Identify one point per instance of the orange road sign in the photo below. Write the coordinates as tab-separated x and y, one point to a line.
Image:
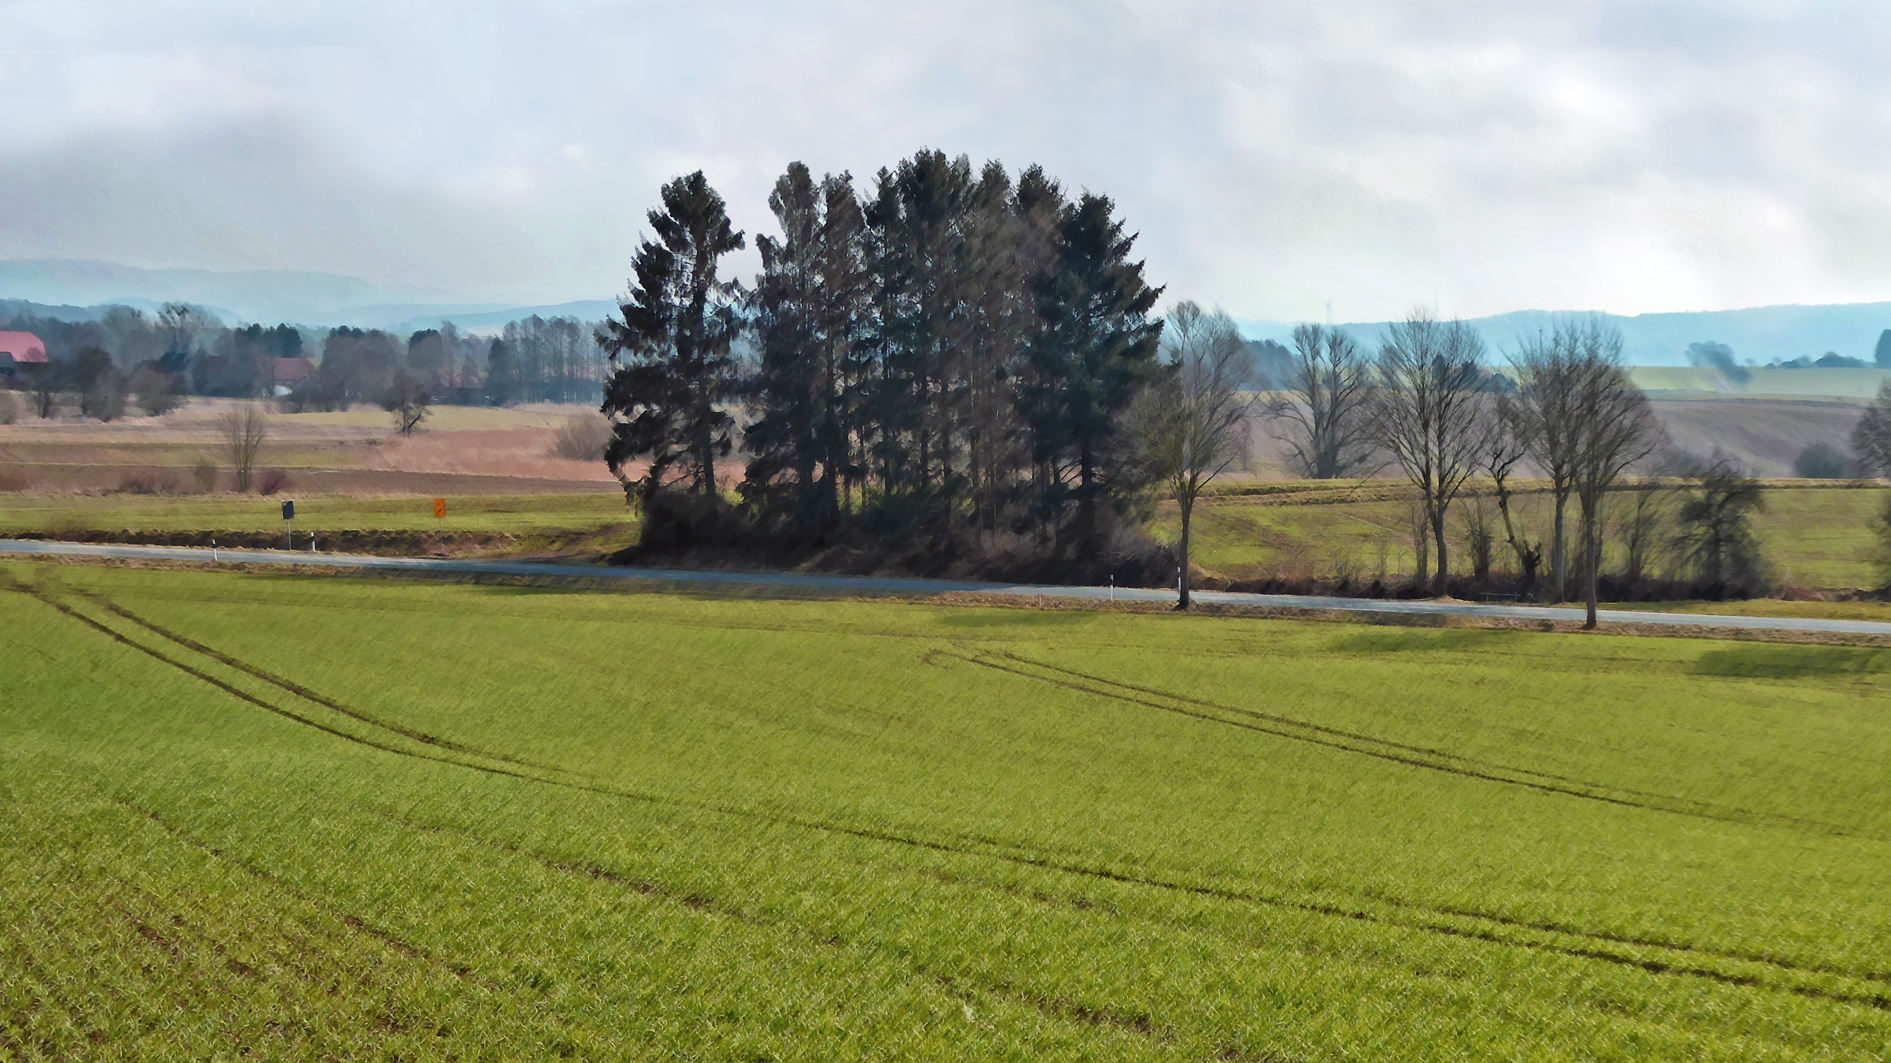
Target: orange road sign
439	508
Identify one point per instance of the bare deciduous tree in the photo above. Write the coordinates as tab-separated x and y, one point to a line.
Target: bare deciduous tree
1716	535
1872	438
1613	429
44	380
1643	512
408	401
1502	450
244	431
1543	418
1320	414
1425	413
1194	418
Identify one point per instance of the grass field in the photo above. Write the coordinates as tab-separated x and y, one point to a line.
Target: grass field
1817	537
505	514
267	816
1677	381
1810	536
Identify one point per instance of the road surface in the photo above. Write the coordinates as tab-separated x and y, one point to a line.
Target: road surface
874	585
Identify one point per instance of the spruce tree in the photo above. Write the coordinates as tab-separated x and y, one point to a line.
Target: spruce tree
1095	348
669	345
807	309
919	220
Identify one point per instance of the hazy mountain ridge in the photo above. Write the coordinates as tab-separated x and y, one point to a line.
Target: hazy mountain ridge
76	290
1756	334
72	289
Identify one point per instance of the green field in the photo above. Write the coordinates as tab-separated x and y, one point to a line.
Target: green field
1678	381
267	816
1812	536
495	525
505	514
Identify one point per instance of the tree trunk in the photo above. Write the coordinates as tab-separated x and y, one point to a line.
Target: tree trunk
1438	536
1188	505
1592	558
1559	551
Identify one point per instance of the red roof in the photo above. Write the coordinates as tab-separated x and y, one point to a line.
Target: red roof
24	347
294	369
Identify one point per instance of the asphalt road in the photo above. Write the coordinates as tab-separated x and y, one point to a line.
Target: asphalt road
871	585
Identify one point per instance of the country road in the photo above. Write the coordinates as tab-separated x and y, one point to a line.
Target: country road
874	585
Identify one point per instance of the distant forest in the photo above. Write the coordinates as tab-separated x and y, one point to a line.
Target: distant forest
128	360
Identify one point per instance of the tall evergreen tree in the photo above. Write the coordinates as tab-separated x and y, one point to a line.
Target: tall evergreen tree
670	344
502	373
919	220
1094	349
807	307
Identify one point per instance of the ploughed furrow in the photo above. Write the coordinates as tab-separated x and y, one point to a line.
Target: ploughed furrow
1395	752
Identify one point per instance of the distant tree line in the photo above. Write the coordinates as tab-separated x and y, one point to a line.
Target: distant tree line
128	360
947	356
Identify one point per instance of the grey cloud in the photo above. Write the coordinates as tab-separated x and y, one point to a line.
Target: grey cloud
1274	157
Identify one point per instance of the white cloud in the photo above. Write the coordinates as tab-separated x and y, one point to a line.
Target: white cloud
1275	157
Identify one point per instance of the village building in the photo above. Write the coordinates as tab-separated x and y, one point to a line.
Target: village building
18	350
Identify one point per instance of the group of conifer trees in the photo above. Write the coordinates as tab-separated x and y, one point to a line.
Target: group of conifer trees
951	353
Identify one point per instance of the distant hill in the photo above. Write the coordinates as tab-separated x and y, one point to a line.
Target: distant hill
492	320
251	295
1760	334
76	290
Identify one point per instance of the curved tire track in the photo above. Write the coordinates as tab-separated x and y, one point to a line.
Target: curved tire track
1595	952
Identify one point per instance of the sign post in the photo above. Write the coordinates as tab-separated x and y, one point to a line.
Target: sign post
288	514
439	509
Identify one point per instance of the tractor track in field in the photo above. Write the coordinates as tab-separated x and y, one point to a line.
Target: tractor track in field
249	698
353	922
309	695
1058	1007
1652	966
1677	805
1357	736
1597	952
49	993
1394	752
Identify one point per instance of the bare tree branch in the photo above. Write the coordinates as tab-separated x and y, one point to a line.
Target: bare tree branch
1194	419
1613	429
1872	438
244	430
1321	414
1425	413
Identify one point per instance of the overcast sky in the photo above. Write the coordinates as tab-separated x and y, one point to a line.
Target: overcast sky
1277	158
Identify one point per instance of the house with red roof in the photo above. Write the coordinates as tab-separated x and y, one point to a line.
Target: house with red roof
19	350
289	372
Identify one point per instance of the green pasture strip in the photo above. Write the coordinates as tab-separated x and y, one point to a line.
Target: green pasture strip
509	514
1810	536
1669	382
599	826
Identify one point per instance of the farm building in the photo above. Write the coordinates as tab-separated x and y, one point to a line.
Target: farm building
19	349
289	372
